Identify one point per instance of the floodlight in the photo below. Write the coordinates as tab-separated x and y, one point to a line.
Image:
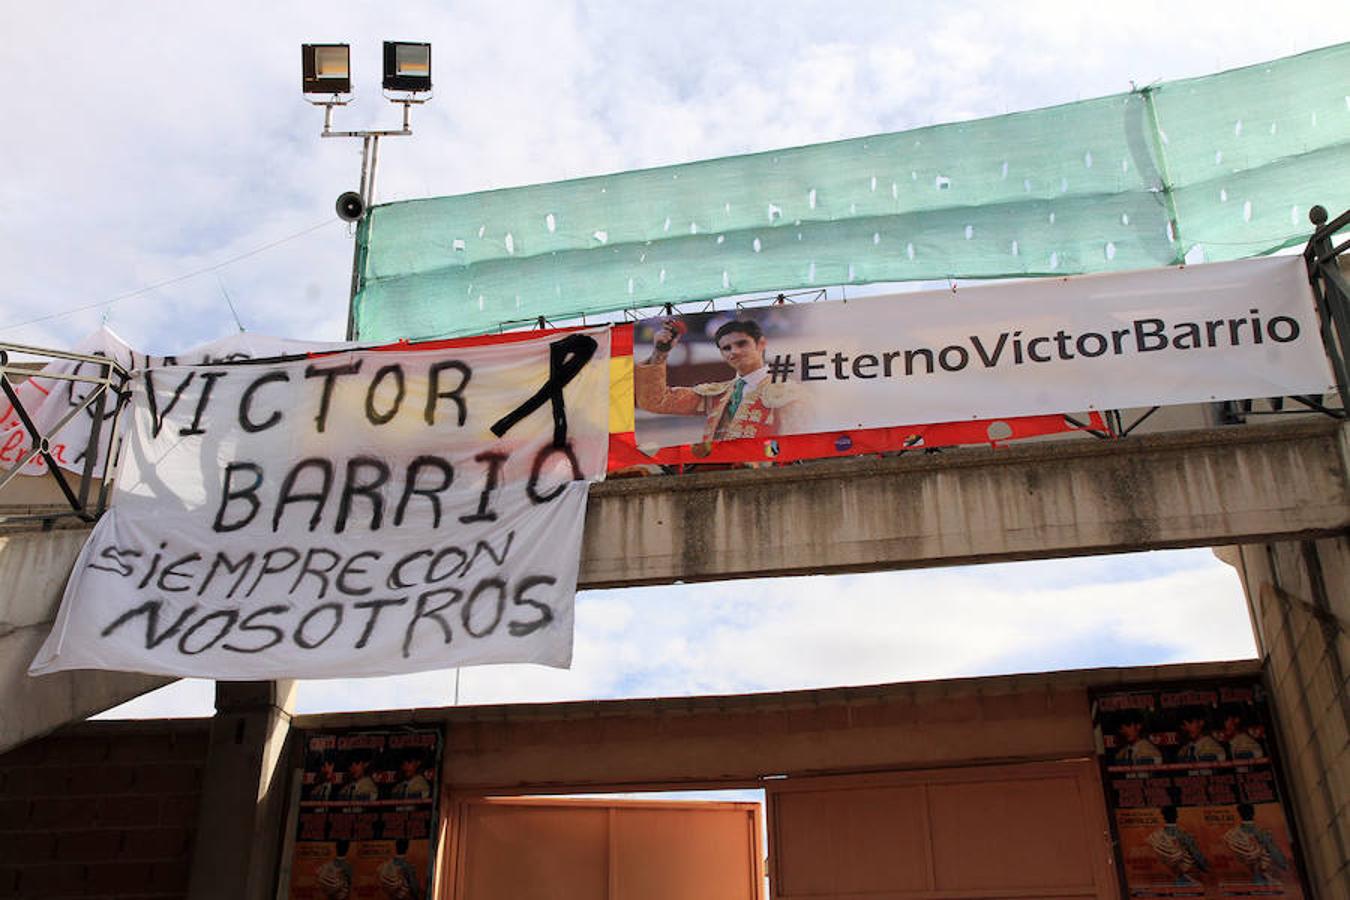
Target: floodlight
326	68
327	82
407	66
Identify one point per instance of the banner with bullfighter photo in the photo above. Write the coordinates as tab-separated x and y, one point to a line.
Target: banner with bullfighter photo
756	378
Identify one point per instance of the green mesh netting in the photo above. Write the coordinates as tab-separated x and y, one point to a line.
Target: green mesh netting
1228	163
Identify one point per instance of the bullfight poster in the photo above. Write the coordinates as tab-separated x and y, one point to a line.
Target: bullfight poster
366	827
1193	792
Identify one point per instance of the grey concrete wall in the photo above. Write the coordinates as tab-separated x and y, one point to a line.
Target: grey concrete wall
1299	596
33	570
971	505
240	832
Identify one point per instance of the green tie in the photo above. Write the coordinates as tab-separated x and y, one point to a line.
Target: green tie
736	393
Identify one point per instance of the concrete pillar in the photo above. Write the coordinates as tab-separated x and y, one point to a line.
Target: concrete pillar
239	837
34	566
1299	596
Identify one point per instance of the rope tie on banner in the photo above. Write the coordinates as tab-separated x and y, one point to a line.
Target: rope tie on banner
230	303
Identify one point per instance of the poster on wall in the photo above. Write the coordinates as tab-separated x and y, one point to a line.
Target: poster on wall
1193	793
1040	347
366	827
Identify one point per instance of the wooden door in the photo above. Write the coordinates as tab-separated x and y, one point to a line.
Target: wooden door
571	849
1037	830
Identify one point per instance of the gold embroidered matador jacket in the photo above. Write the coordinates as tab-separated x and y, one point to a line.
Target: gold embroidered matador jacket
765	410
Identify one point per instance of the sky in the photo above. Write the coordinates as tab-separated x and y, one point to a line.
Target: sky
161	153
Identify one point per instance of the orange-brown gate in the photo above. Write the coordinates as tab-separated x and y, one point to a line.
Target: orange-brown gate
1015	831
534	848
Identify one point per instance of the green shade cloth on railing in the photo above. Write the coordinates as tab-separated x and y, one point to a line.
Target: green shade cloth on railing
1213	168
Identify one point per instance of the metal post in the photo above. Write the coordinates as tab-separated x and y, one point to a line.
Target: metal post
356	286
370	152
369	195
367	178
1333	303
365	164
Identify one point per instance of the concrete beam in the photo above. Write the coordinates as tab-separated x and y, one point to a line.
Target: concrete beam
1199	488
1219	486
737	740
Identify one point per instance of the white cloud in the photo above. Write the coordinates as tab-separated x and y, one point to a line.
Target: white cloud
791	633
154	139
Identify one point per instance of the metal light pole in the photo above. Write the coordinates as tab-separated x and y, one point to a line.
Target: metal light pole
365	193
326	69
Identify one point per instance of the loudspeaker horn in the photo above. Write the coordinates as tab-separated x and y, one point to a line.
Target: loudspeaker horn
350	207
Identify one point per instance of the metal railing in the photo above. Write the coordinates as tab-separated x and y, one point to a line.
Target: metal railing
94	390
1332	294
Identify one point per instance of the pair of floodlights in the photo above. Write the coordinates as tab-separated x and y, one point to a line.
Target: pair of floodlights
327	68
326	80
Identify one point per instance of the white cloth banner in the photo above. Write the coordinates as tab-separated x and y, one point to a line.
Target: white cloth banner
1190	334
355	513
47	400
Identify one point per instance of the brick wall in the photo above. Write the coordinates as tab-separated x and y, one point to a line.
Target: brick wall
102	809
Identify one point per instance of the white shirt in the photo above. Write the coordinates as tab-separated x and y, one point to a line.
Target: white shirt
753	379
